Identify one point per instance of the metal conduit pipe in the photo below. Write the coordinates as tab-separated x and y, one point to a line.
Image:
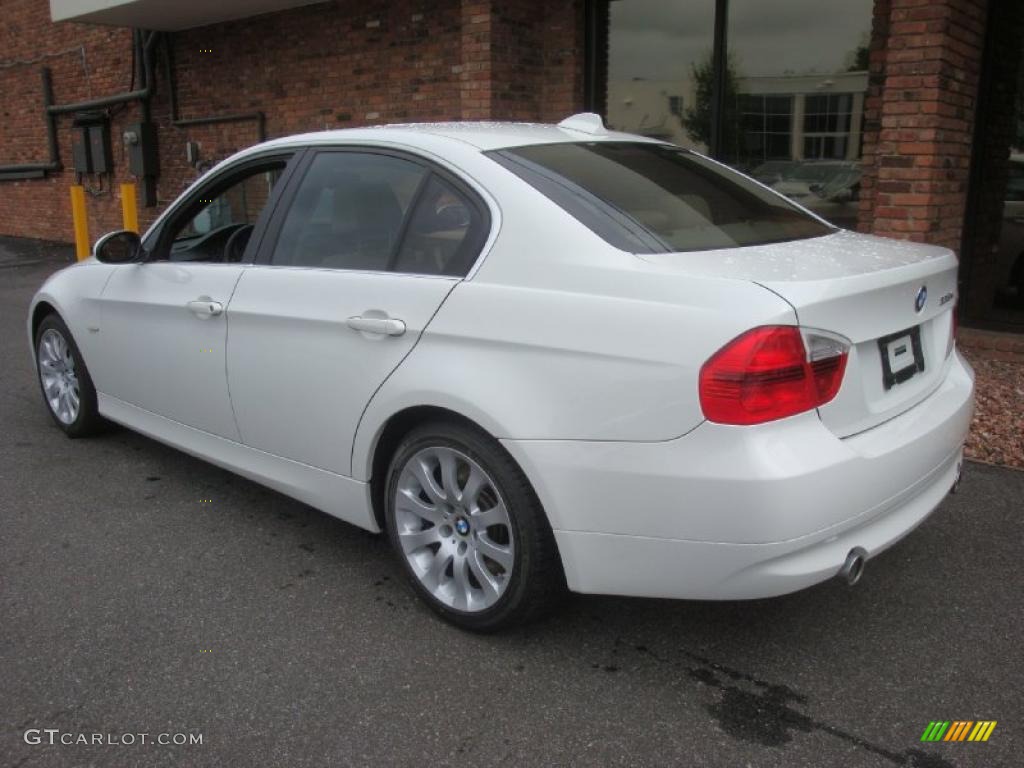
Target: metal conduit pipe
172	89
39	170
51	111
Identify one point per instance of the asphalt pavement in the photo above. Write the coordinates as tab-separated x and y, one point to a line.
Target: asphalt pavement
145	592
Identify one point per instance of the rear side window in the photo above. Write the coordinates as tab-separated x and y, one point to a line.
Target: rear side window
380	212
348	212
651	198
445	232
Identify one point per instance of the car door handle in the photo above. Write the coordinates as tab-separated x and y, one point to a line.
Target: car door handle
385	326
204	308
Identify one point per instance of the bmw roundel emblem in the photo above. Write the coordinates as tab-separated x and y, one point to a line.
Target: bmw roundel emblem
922	297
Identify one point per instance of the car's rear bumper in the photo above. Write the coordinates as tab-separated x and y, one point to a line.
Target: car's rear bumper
745	512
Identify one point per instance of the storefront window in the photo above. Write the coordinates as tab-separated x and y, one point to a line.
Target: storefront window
795	99
1009	274
766	126
659	68
827	120
789	98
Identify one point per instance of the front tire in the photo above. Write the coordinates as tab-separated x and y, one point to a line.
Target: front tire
64	380
469	530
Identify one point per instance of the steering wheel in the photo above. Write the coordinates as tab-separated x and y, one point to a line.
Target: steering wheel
234	248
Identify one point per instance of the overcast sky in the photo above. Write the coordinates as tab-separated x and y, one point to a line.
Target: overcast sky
661	39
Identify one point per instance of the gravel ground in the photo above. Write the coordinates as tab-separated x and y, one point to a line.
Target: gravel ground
997	433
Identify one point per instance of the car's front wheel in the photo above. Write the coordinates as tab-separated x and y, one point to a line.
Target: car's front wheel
64	380
469	529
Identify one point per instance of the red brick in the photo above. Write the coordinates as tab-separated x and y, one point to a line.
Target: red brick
314	67
917	134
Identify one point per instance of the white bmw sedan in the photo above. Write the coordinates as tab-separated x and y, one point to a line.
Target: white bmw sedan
539	357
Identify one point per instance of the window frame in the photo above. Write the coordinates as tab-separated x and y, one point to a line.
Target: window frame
821	137
762	131
157	241
284	203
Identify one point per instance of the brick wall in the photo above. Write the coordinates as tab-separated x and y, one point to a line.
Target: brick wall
86	61
925	57
330	65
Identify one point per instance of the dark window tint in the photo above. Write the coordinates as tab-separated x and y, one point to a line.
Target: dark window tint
654	197
444	234
348	212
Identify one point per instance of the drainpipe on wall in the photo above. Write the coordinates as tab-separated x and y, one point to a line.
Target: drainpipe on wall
51	111
172	90
13	172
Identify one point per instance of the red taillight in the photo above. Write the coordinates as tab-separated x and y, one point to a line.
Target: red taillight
770	373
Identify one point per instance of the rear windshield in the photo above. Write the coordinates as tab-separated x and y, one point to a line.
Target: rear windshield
656	198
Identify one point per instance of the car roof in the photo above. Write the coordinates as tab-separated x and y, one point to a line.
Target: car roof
482	135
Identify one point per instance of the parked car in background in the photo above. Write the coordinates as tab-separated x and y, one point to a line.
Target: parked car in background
830	189
538	357
774	171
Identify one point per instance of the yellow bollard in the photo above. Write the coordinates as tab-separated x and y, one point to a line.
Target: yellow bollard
80	221
129	208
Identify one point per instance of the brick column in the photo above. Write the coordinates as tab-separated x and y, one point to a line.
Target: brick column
521	59
925	57
475	66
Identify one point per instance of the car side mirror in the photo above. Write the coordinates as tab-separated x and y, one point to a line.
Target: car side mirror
843	196
121	247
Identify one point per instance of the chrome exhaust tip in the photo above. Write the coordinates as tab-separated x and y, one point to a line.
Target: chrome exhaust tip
853	568
959	474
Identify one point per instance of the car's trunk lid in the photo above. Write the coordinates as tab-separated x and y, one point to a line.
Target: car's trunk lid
866	289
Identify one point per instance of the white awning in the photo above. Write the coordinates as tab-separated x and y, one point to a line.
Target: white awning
163	15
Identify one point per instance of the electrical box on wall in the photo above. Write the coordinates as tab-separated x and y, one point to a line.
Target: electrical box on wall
80	151
140	142
99	148
90	143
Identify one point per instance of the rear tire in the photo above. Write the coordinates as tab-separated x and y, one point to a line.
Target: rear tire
469	530
64	380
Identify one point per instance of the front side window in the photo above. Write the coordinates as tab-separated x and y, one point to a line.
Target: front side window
215	227
648	198
348	212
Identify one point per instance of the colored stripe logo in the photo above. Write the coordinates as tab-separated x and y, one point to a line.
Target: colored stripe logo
958	730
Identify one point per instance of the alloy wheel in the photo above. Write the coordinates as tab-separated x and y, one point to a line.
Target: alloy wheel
58	376
454	529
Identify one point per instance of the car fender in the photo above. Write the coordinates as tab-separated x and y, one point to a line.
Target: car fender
540	364
74	293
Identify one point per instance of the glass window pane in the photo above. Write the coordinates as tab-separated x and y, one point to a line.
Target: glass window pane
444	234
659	69
679	200
348	212
814	62
204	235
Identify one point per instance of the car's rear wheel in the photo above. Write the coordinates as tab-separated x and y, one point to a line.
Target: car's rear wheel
64	380
469	530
